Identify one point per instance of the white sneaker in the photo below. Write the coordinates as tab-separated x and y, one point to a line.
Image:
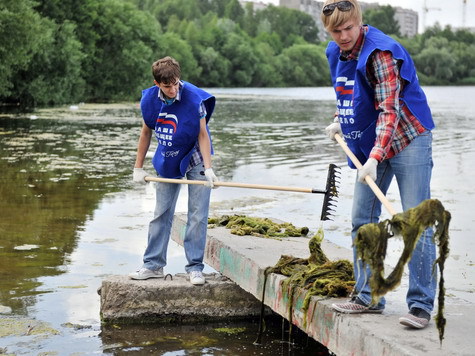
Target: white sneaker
196	278
145	273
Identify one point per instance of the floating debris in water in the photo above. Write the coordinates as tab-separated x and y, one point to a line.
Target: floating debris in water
230	331
262	227
12	326
5	310
26	247
76	326
73	287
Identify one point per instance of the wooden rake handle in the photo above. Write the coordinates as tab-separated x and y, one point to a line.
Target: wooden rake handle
382	198
235	185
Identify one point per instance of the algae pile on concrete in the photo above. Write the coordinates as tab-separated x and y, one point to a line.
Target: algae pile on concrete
262	227
316	274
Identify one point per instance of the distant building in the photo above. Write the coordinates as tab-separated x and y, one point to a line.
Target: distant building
408	21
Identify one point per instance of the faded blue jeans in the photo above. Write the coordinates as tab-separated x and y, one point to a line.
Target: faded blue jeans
155	255
412	168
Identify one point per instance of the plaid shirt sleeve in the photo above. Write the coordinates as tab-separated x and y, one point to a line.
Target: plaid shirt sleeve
383	74
203	111
197	157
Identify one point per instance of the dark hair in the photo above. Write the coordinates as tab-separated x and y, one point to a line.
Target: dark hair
166	70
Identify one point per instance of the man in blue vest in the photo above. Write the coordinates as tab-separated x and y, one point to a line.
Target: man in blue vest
177	112
384	117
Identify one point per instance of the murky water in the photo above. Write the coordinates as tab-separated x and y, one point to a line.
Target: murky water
69	214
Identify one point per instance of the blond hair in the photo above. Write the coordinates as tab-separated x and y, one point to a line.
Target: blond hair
338	18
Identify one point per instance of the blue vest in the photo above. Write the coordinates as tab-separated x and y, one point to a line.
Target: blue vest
176	126
355	96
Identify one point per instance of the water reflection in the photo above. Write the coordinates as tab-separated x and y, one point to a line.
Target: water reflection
54	172
234	339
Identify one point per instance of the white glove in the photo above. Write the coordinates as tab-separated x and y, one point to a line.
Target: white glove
210	178
139	175
333	129
368	169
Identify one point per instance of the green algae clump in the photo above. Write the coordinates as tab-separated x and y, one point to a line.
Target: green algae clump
262	227
316	274
230	331
12	326
372	240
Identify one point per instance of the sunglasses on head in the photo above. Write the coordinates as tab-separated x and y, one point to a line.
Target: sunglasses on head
341	5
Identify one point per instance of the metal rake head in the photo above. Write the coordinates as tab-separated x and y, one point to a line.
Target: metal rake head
331	192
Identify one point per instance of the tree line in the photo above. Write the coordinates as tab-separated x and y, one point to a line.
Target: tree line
63	51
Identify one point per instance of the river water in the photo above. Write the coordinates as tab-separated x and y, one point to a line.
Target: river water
69	214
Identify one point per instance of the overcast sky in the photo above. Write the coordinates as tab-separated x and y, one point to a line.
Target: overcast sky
442	11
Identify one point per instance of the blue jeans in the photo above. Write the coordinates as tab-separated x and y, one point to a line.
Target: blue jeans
155	255
412	168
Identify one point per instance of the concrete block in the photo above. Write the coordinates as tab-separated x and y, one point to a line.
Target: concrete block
174	300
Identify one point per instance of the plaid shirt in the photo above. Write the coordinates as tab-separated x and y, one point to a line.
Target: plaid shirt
396	126
196	157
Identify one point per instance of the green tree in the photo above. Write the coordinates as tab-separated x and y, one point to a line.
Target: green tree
85	17
164	10
215	69
460	45
288	23
173	45
413	44
248	22
267	72
60	51
54	74
382	17
464	70
234	11
304	65
217	6
240	54
129	41
210	35
272	40
22	33
435	63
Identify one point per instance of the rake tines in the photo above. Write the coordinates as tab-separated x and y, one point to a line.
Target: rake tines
331	192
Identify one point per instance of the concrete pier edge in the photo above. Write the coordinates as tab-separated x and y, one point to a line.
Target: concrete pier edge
243	259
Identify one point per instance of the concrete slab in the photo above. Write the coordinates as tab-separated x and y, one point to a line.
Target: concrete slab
174	299
244	258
